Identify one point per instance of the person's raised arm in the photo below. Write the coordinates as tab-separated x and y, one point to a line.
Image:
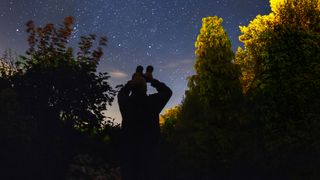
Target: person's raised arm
164	93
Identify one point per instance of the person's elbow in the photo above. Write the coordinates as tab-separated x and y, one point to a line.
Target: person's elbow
169	92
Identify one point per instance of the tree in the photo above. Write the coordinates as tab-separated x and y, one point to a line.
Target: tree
254	38
207	121
52	96
301	14
170	115
68	86
280	74
216	75
7	67
168	122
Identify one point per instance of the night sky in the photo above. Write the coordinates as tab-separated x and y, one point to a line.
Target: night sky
140	32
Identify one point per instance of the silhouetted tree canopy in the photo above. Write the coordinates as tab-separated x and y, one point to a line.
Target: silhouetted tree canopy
51	96
70	86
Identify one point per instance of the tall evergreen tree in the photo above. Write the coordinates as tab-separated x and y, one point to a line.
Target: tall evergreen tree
216	78
209	121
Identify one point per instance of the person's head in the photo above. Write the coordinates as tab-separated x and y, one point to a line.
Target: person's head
139	69
138	86
150	69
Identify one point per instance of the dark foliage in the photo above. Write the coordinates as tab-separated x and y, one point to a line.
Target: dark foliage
52	102
252	115
271	130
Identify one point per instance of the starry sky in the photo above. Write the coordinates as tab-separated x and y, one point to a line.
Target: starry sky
140	32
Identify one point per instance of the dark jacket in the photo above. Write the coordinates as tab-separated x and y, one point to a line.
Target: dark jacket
140	113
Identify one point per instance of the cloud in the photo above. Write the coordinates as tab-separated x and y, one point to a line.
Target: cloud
118	74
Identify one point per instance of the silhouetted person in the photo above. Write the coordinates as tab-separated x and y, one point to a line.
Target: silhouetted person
140	128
